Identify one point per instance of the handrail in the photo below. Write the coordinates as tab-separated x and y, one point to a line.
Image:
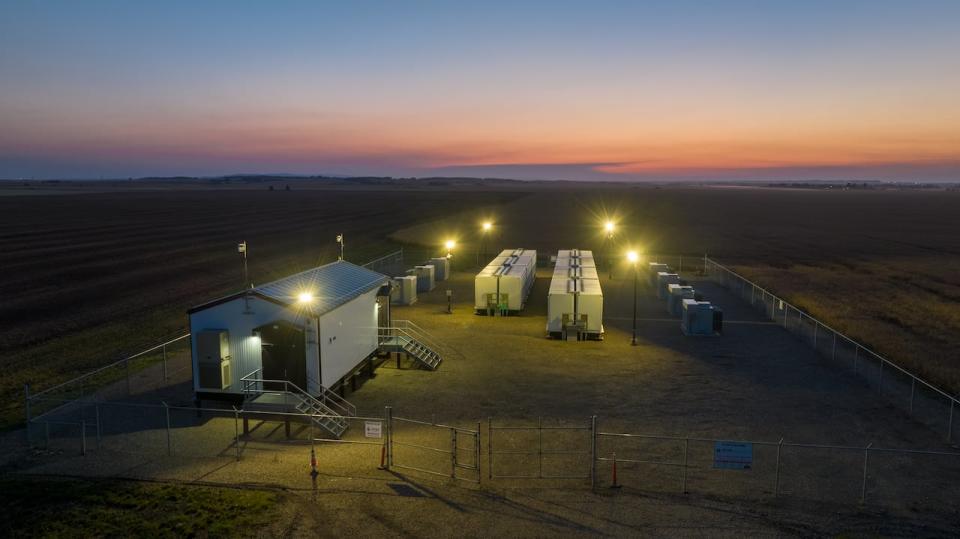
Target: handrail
413	330
330	399
108	366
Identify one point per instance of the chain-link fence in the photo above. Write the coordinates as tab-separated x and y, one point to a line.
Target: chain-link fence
924	402
551	451
389	264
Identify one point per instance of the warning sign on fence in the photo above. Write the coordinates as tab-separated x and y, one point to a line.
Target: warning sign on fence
371	429
733	455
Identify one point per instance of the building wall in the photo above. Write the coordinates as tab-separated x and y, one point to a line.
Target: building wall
335	343
348	334
244	347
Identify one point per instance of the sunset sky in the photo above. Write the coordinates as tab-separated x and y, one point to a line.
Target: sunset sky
835	90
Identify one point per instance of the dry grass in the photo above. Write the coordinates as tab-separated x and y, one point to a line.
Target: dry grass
904	309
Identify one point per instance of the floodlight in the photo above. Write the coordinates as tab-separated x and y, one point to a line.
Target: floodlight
487	226
450	244
305	297
609	226
632	256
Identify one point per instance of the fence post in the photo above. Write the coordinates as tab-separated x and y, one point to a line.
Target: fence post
83	438
913	387
593	450
166	409
476	452
785	309
540	447
164	362
96	413
776	483
236	430
683	484
388	413
453	453
26	401
950	423
880	381
489	447
863	486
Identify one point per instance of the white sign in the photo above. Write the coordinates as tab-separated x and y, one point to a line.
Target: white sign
372	429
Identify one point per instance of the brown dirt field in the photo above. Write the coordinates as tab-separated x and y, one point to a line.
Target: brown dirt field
90	277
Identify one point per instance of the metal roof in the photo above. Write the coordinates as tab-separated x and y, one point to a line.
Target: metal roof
331	286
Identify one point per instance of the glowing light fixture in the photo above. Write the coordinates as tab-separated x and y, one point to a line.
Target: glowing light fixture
487	226
632	256
450	244
609	226
305	297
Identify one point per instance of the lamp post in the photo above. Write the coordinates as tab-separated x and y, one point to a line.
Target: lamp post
485	230
450	244
633	257
609	227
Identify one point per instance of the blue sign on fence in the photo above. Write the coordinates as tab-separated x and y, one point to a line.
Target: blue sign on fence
733	455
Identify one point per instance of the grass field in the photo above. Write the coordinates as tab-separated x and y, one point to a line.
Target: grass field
60	507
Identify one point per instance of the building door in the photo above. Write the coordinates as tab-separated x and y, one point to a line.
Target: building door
283	354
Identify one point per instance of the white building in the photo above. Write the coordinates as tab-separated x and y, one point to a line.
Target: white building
313	329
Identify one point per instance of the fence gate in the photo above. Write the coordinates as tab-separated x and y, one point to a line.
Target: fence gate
434	448
553	451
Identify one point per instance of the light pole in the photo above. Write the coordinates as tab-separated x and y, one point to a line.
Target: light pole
633	257
450	244
609	226
485	230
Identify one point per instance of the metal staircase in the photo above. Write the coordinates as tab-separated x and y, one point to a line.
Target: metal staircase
328	410
407	336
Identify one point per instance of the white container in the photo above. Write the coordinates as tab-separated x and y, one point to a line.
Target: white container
575	299
404	290
675	295
505	283
663	279
426	280
701	318
442	268
653	268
